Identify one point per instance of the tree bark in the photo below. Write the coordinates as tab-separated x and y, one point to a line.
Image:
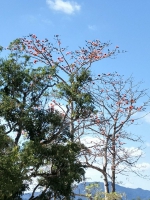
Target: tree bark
113	167
106	184
105	179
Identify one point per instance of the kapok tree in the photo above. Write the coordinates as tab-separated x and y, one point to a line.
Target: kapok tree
31	99
120	104
70	68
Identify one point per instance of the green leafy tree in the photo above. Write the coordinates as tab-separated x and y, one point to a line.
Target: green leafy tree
11	172
24	95
43	98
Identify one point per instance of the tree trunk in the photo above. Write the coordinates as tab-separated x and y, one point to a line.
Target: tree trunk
105	179
113	167
113	189
106	184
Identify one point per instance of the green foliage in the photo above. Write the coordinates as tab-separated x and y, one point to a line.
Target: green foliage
74	92
55	171
21	90
48	155
11	172
93	191
113	195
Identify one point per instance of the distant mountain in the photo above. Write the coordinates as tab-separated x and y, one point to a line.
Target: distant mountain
130	192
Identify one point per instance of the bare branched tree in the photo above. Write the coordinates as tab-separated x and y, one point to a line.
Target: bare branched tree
118	103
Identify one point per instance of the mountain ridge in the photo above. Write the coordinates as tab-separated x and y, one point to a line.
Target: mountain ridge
130	193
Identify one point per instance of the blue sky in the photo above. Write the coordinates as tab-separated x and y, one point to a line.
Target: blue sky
123	23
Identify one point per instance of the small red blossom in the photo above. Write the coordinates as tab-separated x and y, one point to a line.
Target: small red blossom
60	59
35	61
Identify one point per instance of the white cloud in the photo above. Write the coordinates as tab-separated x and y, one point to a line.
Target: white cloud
133	151
68	7
129	185
93	175
138	169
92	27
90	141
143	166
